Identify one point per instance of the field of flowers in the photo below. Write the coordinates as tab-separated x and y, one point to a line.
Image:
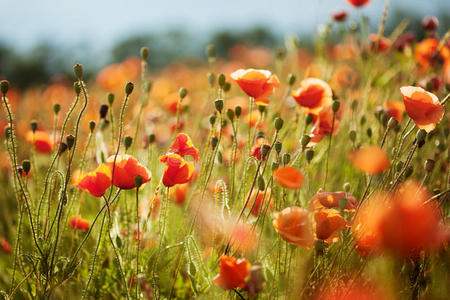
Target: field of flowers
285	173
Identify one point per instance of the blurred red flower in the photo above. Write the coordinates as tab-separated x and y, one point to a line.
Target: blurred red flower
42	140
294	225
371	159
96	182
233	272
288	177
77	222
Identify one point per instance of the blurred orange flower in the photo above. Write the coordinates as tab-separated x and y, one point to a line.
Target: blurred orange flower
178	194
358	3
258	205
370	159
378	45
331	199
294	225
96	182
233	272
422	106
395	109
125	170
425	52
288	177
328	223
42	141
313	94
77	222
183	146
258	84
323	125
177	170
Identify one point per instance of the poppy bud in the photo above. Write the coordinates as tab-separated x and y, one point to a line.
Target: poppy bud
261	108
264	151
77	88
211	51
309	154
62	148
182	92
261	183
103	111
56	108
214	141
219	105
238	111
286	158
399	166
408	171
278	123
26	166
278	145
144	53
33	125
91	125
291	79
212	120
78	70
335	106
275	166
384	119
369	132
352	135
346	187
230	114
260	135
430	23
70	140
138	180
151	138
211	79
304	140
127	141
363	120
221	79
226	87
309	118
7	131
4	86
392	123
429	165
354	104
421	135
129	88
110	98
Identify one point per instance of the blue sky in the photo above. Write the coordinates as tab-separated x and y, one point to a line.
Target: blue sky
100	23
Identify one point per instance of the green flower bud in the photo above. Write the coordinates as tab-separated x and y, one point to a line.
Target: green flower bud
77	88
309	118
33	125
138	180
214	141
26	166
369	132
261	183
238	111
212	119
56	108
129	88
70	141
127	141
278	123
275	166
354	104
151	138
226	87
286	158
304	140
278	145
352	135
408	172
230	114
110	98
103	111
221	79
260	135
78	70
4	86
182	92
429	165
363	120
291	79
399	166
219	105
346	187
335	106
144	53
421	135
309	154
91	125
62	148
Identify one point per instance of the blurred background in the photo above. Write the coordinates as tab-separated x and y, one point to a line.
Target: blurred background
39	39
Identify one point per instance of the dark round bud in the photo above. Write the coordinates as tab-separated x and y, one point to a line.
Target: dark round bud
264	151
127	141
110	98
78	70
421	135
309	154
363	120
26	166
304	140
129	88
369	132
238	111
260	135
226	87
430	23
347	187
4	86
214	141
77	88
429	165
211	79
392	123
230	114
33	125
384	119
62	148
211	51
56	108
278	145
219	105
261	108
278	123
291	79
138	180
212	119
70	141
309	118
151	138
261	183
182	92
103	111
144	53
335	106
286	158
275	166
221	79
352	135
354	104
91	125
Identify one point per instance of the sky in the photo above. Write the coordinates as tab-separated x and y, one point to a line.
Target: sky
101	23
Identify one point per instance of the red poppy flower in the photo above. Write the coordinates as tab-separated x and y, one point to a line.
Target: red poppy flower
178	194
371	159
324	124
258	84
313	94
125	170
256	149
96	182
288	177
4	245
259	206
183	146
395	109
331	200
77	222
295	226
358	3
177	171
379	45
42	140
328	223
423	107
233	272
340	16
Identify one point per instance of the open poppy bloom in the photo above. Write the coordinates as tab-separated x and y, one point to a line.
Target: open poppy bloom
288	177
256	149
324	126
96	182
313	94
183	146
125	170
379	44
371	159
423	107
328	224
177	171
258	84
260	202
42	141
295	226
233	272
77	222
358	3
331	200
395	109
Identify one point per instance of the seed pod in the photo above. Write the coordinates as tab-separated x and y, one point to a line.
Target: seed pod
260	135
62	148
309	154
352	135
363	120
286	158
261	183
278	145
226	87
264	151
127	141
33	125
110	98
421	135
408	172
278	123
56	108
26	166
261	108
70	141
144	53
429	165
347	187
91	125
238	111
219	105
369	132
230	114
78	70
103	111
182	92
138	180
392	123
354	104
335	106
214	141
221	79
275	166
77	88
151	138
304	140
291	79
399	166
212	120
129	88
4	86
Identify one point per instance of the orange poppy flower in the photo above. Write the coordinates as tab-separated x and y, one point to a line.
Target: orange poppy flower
425	52
331	199
183	146
423	107
233	272
125	170
258	84
42	141
324	124
256	149
371	159
328	223
358	3
295	226
378	45
259	205
412	225
177	171
4	245
288	177
77	222
178	194
395	109
96	182
313	94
